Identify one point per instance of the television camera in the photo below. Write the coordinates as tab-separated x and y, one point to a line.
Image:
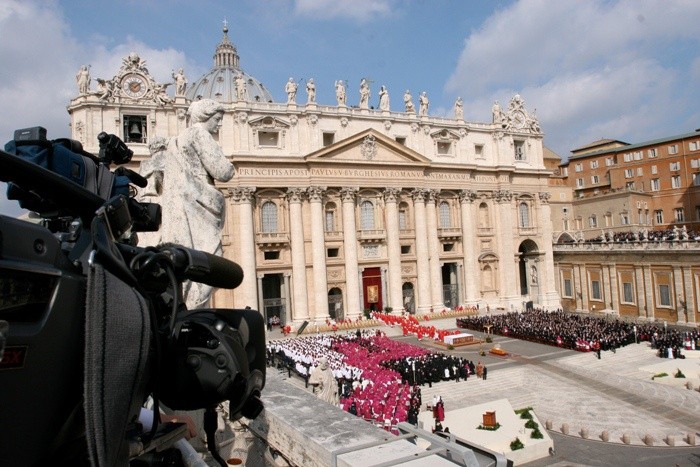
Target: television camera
92	325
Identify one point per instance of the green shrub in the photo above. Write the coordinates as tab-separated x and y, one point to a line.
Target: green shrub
450	347
531	424
489	340
489	428
679	374
526	415
536	434
516	444
659	375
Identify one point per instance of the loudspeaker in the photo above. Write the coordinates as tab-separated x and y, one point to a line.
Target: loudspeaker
302	327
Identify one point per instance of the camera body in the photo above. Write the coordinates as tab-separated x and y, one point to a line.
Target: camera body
191	359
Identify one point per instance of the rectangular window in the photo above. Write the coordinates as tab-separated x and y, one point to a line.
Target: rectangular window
567	288
695	163
405	249
655	185
697	213
624	218
593	221
595	290
627	292
519	150
664	295
640	171
479	151
627	157
696	179
448	246
654	170
444	148
579	183
651	153
637	155
659	217
330	221
674	166
679	215
629	173
676	181
609	161
401	140
268	139
565	171
328	138
135	129
693	145
673	149
271	255
595	179
629	185
403	223
594	164
578	167
332	252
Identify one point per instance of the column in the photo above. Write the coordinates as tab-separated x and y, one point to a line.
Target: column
393	246
508	262
437	300
422	255
548	287
247	292
648	290
678	291
354	307
607	297
614	296
688	293
581	287
318	250
639	287
300	305
469	247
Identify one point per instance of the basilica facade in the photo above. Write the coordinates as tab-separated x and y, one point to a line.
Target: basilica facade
337	209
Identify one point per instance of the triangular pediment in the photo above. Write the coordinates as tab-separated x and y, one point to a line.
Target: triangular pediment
268	122
368	147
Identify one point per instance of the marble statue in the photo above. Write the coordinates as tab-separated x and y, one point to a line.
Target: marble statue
241	88
83	79
532	122
193	213
323	379
291	89
364	94
498	115
105	89
159	95
311	90
423	104
383	98
180	82
408	101
459	109
340	92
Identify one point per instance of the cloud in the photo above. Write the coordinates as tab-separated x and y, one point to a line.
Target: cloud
359	10
590	68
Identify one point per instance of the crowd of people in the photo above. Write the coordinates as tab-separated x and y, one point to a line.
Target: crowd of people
645	235
582	333
377	378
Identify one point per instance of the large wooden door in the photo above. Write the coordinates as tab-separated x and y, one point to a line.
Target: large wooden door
372	289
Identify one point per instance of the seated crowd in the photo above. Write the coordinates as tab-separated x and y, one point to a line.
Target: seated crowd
378	378
577	332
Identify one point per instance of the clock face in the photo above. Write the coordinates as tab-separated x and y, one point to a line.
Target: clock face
134	86
518	119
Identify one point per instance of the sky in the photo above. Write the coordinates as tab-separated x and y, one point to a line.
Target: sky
620	69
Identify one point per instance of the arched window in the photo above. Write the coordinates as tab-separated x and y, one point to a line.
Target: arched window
403	216
269	217
524	215
330	217
445	221
367	215
484	216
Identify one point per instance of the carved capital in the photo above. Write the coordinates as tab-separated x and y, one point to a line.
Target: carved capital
503	196
348	194
544	197
295	195
316	193
392	195
242	194
467	196
418	195
432	195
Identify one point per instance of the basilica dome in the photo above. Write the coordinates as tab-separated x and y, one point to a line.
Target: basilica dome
221	82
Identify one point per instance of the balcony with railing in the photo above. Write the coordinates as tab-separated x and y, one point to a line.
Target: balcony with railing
272	239
371	236
449	233
484	231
